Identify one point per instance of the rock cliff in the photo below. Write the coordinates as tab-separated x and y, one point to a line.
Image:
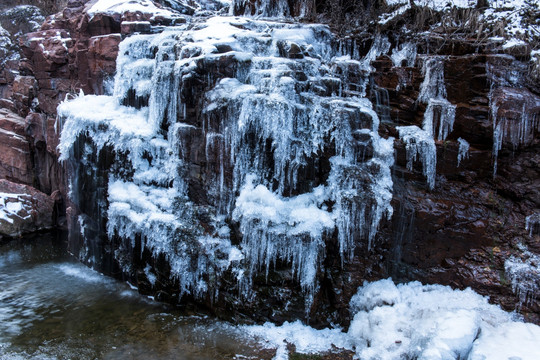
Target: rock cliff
461	101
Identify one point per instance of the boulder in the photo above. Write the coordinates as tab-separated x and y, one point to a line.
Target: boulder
23	209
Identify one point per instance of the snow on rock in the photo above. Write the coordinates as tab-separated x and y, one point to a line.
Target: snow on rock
511	13
512	43
106	121
436	4
306	339
8	48
12	204
5	45
515	16
23	209
371	295
296	215
22	19
426	322
413	321
121	6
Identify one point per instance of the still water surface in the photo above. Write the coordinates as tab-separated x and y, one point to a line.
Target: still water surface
52	307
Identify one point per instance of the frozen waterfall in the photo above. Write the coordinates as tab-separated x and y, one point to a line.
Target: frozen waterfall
282	149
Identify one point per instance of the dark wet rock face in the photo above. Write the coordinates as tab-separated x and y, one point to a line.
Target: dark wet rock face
460	229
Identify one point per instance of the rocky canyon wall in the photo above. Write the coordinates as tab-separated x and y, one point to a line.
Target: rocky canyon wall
463	109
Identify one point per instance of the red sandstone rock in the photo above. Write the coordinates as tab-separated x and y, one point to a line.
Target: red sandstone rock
102	52
24	91
15	156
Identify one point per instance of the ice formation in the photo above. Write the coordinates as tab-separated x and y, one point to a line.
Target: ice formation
413	321
271	8
404	54
440	114
438	118
532	224
524	274
278	101
264	125
420	143
515	132
463	150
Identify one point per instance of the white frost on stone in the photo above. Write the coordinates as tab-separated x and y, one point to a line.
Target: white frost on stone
306	339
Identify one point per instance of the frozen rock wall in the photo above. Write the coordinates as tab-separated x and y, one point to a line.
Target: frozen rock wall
249	164
226	149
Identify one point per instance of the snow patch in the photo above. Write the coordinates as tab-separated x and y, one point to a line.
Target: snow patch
121	6
15	206
412	321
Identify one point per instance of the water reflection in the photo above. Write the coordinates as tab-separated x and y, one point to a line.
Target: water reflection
52	307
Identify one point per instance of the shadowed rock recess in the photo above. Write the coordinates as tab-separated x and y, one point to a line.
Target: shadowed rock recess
262	159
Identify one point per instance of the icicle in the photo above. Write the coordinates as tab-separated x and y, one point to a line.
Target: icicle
524	275
433	93
445	112
532	224
463	151
406	54
420	143
433	86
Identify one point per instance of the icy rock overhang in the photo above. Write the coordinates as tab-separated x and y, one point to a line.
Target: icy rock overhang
230	145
